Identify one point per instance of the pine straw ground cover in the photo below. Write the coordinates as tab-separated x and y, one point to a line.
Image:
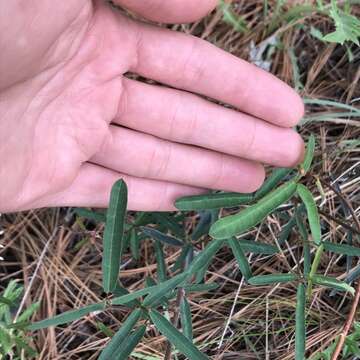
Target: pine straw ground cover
57	256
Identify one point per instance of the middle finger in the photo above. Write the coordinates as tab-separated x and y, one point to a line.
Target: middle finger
183	117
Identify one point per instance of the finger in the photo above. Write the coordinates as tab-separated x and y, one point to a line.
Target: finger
189	119
146	156
92	188
189	63
170	11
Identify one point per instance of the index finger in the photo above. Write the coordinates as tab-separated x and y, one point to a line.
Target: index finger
192	64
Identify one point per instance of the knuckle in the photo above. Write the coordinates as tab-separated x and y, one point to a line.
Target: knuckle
192	65
159	160
216	178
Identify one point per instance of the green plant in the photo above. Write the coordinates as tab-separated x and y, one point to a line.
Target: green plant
351	348
347	26
231	18
13	341
188	272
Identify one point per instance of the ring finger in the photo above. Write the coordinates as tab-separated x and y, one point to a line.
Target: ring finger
146	156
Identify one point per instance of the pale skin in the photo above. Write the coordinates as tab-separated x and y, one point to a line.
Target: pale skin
71	123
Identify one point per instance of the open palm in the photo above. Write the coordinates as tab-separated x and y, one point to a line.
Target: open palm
71	123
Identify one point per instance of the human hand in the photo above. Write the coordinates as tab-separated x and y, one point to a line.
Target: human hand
71	124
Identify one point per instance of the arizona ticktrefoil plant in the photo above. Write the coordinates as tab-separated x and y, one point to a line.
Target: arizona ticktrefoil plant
150	305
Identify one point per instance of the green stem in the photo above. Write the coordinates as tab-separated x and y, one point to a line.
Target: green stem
314	267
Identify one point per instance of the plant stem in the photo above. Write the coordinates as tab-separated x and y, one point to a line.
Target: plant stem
348	324
314	267
179	297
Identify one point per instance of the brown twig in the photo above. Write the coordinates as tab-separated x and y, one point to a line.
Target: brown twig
340	222
348	324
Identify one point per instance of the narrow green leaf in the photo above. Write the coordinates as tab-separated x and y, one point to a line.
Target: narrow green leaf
232	18
205	257
189	257
200	287
272	182
29	311
349	240
181	343
240	258
332	104
312	212
149	281
314	266
158	235
309	155
332	283
286	230
135	244
170	223
22	325
302	228
21	344
118	340
185	317
160	260
207	218
304	235
300	331
353	275
128	347
67	316
180	261
152	290
212	201
257	247
163	289
203	226
126	299
5	341
4	300
341	249
143	218
271	279
307	259
89	214
113	235
126	242
104	329
164	300
236	224
214	215
200	275
121	291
